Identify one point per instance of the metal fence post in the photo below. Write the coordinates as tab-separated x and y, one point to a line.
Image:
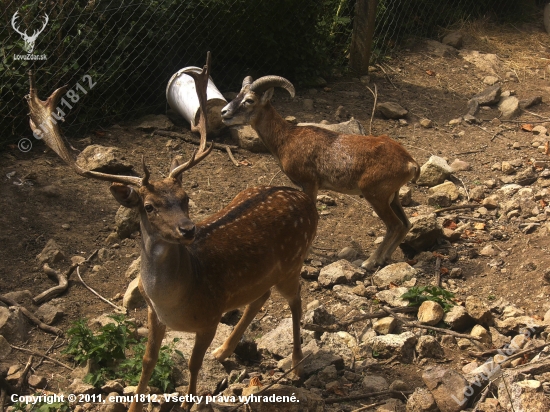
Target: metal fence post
362	36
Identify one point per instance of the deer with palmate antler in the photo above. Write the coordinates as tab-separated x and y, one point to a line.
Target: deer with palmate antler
193	273
314	158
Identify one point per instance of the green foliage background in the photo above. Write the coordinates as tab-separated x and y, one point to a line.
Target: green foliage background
131	48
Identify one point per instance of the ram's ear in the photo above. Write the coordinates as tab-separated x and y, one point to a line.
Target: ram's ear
267	95
126	195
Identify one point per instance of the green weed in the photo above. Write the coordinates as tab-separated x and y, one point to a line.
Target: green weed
419	294
107	350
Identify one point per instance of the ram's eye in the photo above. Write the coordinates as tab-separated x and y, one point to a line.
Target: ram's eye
149	208
248	101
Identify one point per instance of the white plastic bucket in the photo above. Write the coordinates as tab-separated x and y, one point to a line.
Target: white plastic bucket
182	97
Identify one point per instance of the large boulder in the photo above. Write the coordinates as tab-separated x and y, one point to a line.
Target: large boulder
396	273
103	159
424	232
386	346
127	221
391	110
448	387
338	272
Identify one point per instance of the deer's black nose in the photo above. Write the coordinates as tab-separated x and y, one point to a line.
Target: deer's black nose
188	232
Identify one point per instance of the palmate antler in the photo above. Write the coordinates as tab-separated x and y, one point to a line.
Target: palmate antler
44	124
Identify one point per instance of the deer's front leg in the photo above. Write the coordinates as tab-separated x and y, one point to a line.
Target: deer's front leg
154	341
203	340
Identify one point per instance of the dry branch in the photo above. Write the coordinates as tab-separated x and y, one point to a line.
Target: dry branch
336	327
457	207
42	355
419	325
194	140
47	351
366	407
97	294
31	316
21	380
375	95
330	401
506	362
62	280
483	397
437	272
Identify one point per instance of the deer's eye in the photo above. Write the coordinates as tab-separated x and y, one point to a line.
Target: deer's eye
248	101
149	208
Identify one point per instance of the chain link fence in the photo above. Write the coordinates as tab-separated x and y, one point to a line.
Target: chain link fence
117	56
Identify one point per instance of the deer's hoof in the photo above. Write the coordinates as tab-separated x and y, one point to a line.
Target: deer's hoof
219	354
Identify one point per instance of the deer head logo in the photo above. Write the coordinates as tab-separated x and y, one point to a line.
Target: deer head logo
29	40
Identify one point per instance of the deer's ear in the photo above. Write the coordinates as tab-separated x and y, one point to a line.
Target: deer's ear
126	195
268	94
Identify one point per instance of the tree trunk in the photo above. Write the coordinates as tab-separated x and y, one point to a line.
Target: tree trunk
362	36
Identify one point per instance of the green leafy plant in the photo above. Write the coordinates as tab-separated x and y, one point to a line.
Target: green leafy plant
161	378
107	350
106	346
419	294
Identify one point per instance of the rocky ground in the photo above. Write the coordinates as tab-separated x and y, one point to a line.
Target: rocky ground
472	112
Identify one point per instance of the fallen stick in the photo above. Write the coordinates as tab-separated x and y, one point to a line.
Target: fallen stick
437	272
330	401
336	327
457	207
419	325
62	286
372	405
97	294
483	397
375	95
474	219
21	380
194	140
507	361
468	152
47	351
31	316
42	355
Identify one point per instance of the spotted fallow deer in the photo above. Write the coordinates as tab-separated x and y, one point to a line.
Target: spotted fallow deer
314	158
191	274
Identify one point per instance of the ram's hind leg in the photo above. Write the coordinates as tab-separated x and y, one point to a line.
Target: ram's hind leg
228	347
390	211
395	204
290	289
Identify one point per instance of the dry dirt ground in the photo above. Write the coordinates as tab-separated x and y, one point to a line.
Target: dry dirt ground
43	194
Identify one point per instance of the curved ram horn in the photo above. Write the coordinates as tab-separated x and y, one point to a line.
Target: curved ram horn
247	80
267	82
